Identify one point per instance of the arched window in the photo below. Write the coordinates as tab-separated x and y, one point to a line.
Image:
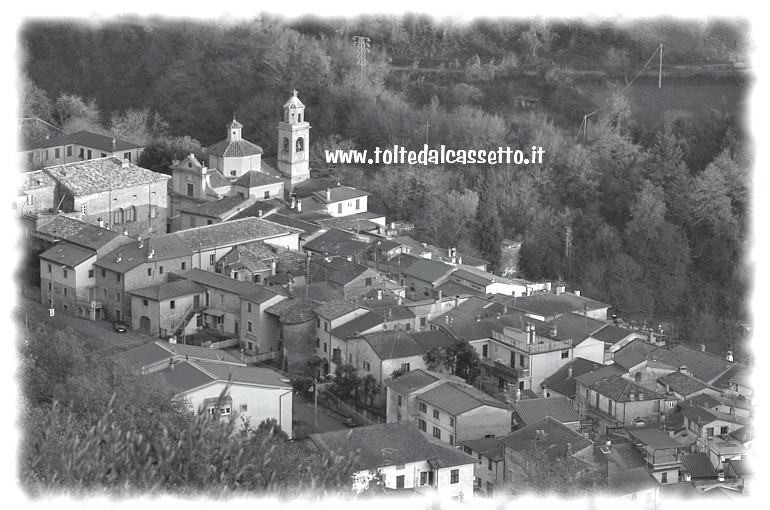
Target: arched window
285	144
299	117
300	145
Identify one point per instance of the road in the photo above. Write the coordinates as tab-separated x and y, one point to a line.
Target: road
97	335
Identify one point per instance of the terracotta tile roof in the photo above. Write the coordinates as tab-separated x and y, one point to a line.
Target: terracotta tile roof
254	179
102	174
388	444
627	359
703	416
428	270
355	327
65	254
61	227
216	208
654	438
348	275
548	304
611	334
490	447
35	180
741	467
457	399
703	400
230	233
85	138
234	148
349	224
293	311
335	309
553	438
268	207
681	383
308	187
393	345
249	291
623	482
743	434
217	179
620	390
336	242
698	465
394	312
306	227
340	193
258	376
162	247
453	288
95	237
186	376
412	381
561	383
432	338
603	372
169	290
703	366
319	292
738	374
533	410
160	352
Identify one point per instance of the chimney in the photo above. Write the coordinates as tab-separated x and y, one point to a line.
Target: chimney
446	319
440	295
399	300
299	206
729	355
703	347
530	334
517	396
577	293
259	213
293	202
548	286
141	243
553	331
101	223
560	289
113	145
118	257
459	260
272	268
457	300
328	194
125	231
379	294
392	225
569	449
151	253
569	372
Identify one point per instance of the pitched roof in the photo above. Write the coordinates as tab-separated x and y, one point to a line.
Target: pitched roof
417	379
308	187
319	292
66	254
611	334
254	179
306	227
618	389
457	399
102	174
129	256
35	180
622	482
335	309
247	290
453	288
681	383
336	242
589	378
95	237
234	148
265	207
561	383
61	227
293	311
703	400
548	304
578	326
743	434
361	324
339	194
186	376
432	338
738	374
353	224
86	138
388	444
533	410
553	438
698	465
190	375
627	359
428	270
490	447
394	312
393	344
169	290
703	366
348	275
230	233
215	208
479	277
159	352
741	467
705	416
472	308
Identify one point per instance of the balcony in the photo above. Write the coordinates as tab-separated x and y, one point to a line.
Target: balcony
500	368
540	345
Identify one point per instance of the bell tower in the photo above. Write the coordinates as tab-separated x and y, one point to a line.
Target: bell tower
293	143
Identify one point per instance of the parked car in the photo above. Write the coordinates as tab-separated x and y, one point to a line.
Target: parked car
119	327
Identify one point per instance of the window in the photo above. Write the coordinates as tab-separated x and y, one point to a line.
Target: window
248	326
422	425
30	199
423	478
160	270
65	291
300	144
172	304
709	431
131	214
455	476
324	346
368	368
317	342
339	208
422	322
49	268
436	414
725	430
318	322
127	156
564	354
664	478
411	286
184	266
451	422
248	307
104	273
190	189
489	464
399	401
89	154
145	302
256	278
117	277
408	327
490	487
90	273
117	297
46	154
368	282
225	411
103	155
521	360
451	440
267	194
244	408
49	287
358	204
423	408
117	216
212	259
437	432
427	291
400	482
209	222
82	153
149	271
405	367
326	326
232	172
83	209
69	150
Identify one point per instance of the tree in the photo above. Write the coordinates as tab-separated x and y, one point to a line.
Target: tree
550	474
464	360
436	359
74	114
160	154
489	231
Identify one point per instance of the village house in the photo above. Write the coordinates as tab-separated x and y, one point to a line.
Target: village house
36	198
382	353
661	452
546	306
700	423
422	277
329	316
75	147
615	402
208	213
258	185
404	459
296	328
253	393
487	283
400	392
338	201
490	468
633	488
562	383
682	386
338	243
112	193
192	184
165	309
532	410
357	281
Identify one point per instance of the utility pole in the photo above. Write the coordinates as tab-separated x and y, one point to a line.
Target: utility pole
660	68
